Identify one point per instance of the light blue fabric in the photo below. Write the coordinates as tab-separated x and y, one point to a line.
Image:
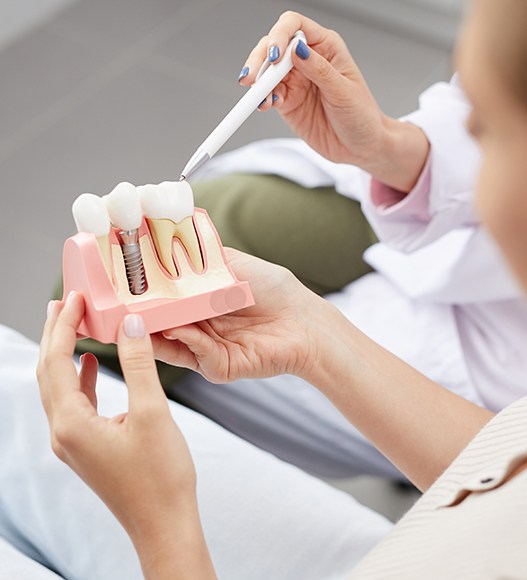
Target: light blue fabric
16	566
291	419
262	518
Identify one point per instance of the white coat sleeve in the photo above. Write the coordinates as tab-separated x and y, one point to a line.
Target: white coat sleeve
434	247
446	201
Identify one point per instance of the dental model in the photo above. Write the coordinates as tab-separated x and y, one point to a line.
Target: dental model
124	207
147	250
91	216
169	208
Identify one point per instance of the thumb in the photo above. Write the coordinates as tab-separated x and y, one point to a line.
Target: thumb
136	356
315	67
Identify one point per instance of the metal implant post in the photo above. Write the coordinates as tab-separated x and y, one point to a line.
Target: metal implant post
133	261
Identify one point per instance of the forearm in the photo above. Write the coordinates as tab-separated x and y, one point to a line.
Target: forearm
400	156
173	547
420	426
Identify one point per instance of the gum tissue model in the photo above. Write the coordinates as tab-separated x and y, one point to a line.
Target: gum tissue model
147	250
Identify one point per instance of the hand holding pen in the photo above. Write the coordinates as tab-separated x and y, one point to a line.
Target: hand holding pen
268	77
320	93
323	97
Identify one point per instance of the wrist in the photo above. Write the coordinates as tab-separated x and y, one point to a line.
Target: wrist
400	156
171	544
343	359
328	345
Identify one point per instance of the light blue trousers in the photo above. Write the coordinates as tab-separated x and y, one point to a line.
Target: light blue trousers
262	518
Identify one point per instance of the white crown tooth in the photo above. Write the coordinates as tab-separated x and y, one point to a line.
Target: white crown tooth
152	202
168	200
169	208
124	206
181	198
90	215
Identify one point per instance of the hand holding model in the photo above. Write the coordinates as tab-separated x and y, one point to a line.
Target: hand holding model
272	337
138	462
327	103
292	330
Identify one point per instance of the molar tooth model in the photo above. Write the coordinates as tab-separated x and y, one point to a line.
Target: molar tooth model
168	208
147	250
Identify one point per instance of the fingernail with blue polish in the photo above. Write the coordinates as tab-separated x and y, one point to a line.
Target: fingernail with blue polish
244	72
302	50
262	102
274	53
275	98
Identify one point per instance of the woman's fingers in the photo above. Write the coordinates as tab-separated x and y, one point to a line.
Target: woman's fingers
193	337
54	308
267	103
315	67
280	35
197	347
291	22
88	377
57	373
274	45
173	352
253	63
279	94
286	27
136	356
65	322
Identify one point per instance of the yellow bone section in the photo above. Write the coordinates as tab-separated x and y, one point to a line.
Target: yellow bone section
104	248
164	231
189	282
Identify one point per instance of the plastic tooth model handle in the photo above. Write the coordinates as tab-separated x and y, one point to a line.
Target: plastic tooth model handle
91	216
124	208
168	208
269	76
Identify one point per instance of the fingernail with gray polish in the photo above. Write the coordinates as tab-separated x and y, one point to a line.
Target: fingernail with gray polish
302	50
244	72
274	53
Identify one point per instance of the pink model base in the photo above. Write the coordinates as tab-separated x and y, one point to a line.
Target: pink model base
84	271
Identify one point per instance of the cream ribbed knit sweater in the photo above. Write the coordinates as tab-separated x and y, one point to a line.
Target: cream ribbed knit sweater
470	524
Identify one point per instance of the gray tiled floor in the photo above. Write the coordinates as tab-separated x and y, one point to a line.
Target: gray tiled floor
125	90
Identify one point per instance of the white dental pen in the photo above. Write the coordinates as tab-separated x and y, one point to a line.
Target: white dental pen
268	77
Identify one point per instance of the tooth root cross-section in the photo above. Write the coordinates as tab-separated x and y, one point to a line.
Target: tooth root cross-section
186	232
163	232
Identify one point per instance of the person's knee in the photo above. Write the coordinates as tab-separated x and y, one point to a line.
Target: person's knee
317	233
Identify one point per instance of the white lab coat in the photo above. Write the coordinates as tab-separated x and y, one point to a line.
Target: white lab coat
443	297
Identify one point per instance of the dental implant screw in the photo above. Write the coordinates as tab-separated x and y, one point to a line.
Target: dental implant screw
133	261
